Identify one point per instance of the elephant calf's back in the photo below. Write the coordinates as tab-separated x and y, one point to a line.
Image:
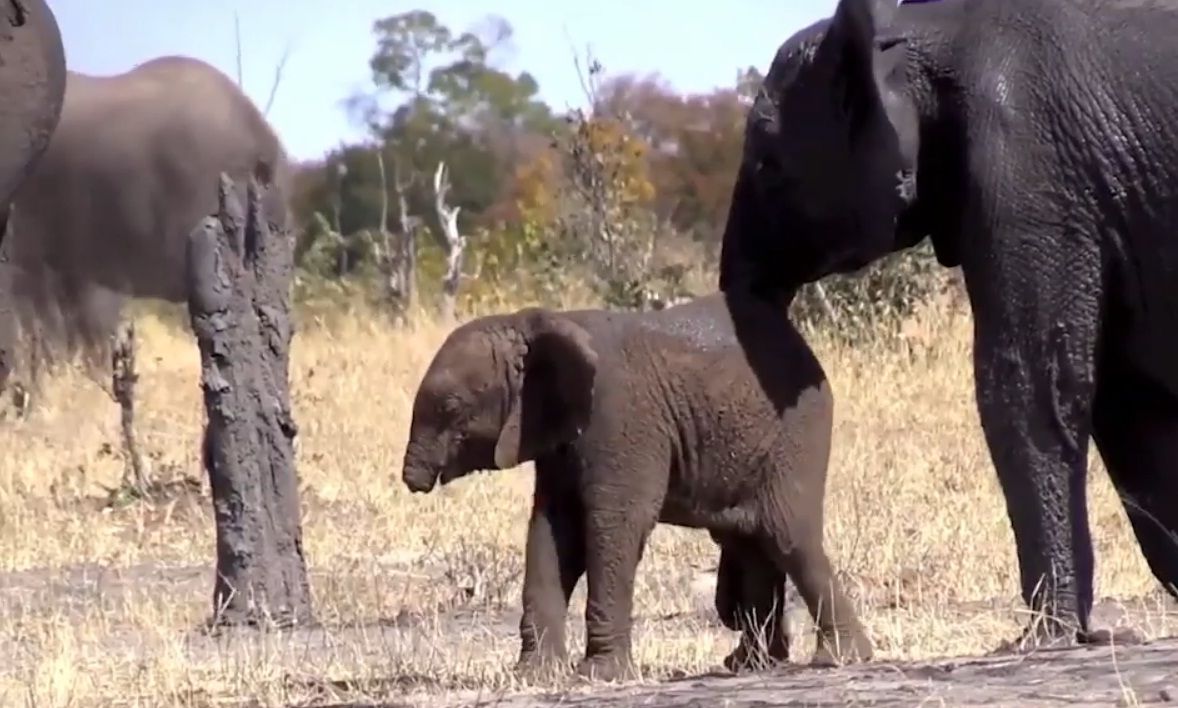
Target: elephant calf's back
753	405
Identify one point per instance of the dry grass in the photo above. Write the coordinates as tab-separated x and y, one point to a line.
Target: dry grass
413	590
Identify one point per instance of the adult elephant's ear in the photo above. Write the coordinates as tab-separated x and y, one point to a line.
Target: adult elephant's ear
859	74
845	58
553	397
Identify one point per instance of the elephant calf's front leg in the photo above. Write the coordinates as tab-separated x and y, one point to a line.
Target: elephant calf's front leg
555	562
614	548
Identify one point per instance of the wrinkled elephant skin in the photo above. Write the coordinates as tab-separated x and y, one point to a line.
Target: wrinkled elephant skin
1034	142
634	419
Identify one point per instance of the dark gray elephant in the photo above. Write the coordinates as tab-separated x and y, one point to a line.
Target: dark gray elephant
133	167
1035	142
634	419
32	83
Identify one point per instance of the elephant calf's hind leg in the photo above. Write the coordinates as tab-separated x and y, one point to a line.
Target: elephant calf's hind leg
750	596
841	638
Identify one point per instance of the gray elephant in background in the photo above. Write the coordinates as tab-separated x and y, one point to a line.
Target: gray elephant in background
1034	142
132	168
32	85
711	414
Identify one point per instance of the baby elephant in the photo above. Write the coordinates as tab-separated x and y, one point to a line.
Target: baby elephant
634	419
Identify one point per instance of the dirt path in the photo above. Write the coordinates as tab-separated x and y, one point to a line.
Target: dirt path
345	660
1090	676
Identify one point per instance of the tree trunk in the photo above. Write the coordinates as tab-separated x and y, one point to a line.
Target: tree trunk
8	316
239	303
450	282
452	242
122	385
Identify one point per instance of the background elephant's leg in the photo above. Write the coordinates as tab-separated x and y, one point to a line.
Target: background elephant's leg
555	562
616	539
728	583
759	608
841	638
1136	430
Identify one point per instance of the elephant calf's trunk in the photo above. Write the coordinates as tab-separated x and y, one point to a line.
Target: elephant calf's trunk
416	476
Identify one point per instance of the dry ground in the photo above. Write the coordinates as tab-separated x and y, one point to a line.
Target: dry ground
100	603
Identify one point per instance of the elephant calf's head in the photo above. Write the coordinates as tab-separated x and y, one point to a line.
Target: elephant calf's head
500	391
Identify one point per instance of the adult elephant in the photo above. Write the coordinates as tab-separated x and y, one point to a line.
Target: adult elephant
32	83
1035	142
132	168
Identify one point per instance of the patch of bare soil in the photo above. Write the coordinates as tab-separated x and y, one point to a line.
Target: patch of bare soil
316	662
1088	676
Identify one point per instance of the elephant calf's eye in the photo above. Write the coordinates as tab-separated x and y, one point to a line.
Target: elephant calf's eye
452	409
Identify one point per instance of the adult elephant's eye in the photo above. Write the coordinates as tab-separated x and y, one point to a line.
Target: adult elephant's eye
770	172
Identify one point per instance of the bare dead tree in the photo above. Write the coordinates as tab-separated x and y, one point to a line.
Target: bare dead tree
239	276
452	241
337	201
9	327
278	69
397	256
237	44
122	386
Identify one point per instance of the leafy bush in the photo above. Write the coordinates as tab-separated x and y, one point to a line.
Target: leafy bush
875	301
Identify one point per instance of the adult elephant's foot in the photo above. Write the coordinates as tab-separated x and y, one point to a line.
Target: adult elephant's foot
538	667
1055	634
607	667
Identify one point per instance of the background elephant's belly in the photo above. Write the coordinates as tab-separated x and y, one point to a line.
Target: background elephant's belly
1141	325
1153	350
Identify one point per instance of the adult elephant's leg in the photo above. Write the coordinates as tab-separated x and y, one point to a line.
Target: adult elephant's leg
555	562
1136	430
727	598
1037	302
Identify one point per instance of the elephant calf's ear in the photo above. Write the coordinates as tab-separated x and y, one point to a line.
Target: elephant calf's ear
555	397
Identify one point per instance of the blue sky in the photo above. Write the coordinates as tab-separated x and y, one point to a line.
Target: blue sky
694	46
